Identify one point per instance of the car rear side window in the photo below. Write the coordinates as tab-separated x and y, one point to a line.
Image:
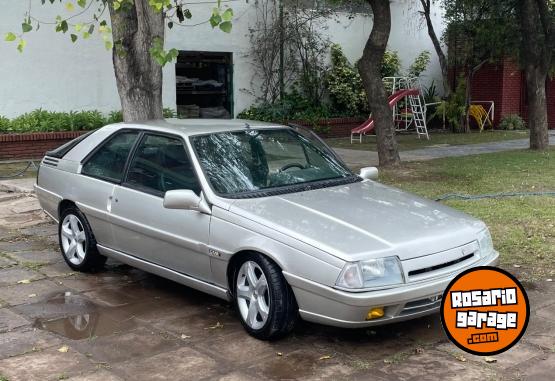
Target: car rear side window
161	164
108	161
61	151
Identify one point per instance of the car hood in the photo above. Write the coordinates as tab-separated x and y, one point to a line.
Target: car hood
363	220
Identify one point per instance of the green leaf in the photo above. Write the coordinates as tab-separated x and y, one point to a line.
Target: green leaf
10	37
82	3
215	20
108	45
73	37
226	26
70	7
187	13
170	24
227	15
91	29
21	45
116	5
78	27
62	26
26	27
86	35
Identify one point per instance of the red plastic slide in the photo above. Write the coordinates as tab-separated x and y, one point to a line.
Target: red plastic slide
393	99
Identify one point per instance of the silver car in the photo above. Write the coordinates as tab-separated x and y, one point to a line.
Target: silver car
263	215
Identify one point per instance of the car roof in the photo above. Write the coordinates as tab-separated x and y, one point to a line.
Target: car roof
190	127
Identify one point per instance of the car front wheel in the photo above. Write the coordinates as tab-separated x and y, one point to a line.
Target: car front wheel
263	298
77	242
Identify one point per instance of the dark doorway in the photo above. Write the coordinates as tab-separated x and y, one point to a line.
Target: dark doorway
204	84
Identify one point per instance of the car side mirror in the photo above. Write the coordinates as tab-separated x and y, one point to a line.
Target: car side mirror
369	173
185	199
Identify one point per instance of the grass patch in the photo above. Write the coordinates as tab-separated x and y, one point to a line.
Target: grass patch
523	228
409	142
9	169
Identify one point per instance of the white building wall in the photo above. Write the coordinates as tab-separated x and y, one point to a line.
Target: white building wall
55	74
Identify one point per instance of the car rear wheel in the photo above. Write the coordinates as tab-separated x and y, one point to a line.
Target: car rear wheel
77	242
264	300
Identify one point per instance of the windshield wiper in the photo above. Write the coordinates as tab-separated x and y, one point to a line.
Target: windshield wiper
294	188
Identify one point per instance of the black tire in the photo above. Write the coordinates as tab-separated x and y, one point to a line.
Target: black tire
283	310
93	260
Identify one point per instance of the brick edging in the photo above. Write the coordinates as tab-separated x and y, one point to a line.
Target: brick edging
34	136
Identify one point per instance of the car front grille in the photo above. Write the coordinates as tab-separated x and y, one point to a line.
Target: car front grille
440	266
421	305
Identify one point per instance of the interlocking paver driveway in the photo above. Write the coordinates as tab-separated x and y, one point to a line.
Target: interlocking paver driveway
124	324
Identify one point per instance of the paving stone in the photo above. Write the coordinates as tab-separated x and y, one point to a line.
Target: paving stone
44	230
59	269
239	346
101	375
14	275
18	342
237	376
10	320
517	356
40	257
109	297
435	365
540	370
28	293
45	365
547	312
133	345
182	364
6	261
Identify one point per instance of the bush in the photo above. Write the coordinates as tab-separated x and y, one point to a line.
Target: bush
512	122
391	64
454	108
344	85
293	107
49	121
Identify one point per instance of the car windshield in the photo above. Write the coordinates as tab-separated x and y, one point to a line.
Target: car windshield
263	160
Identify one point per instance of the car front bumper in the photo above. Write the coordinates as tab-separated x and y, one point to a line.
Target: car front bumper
326	305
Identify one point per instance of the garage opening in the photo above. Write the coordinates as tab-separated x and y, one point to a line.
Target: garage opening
204	85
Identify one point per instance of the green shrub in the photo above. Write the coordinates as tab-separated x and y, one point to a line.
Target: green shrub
420	64
512	122
49	121
454	108
391	64
344	85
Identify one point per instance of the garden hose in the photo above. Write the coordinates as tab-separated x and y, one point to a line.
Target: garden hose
458	196
18	174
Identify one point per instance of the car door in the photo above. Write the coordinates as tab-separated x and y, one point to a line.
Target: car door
101	170
175	239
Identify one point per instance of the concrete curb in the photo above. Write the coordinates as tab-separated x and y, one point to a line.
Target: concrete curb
18	186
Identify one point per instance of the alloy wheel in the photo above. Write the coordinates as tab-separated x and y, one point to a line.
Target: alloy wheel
253	297
74	239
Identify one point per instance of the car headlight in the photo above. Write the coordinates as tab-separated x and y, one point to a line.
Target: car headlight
371	273
485	242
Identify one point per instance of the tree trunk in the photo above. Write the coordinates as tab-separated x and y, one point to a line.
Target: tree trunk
443	63
537	107
369	68
138	75
537	47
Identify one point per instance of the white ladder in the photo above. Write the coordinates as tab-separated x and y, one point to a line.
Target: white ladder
418	116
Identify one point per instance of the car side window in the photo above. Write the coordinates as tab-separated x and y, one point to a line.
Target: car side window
108	162
161	164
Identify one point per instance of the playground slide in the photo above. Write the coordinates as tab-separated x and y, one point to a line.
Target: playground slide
393	99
